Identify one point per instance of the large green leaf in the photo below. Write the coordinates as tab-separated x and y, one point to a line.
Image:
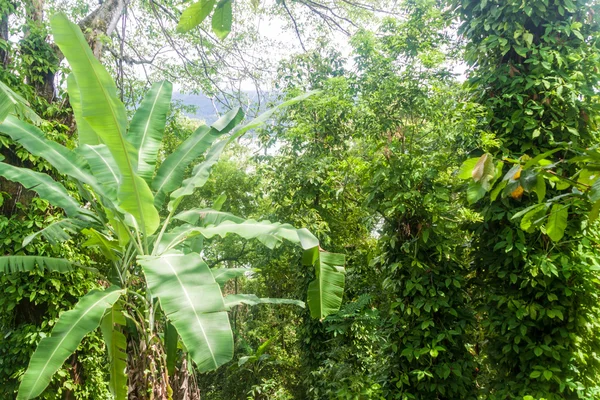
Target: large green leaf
206	217
11	102
264	117
202	171
251	299
85	133
222	275
475	192
109	248
148	125
194	15
271	234
171	347
116	344
170	174
105	113
72	326
466	169
10	264
103	167
222	19
325	292
64	160
557	221
174	238
193	302
43	185
533	217
58	232
268	233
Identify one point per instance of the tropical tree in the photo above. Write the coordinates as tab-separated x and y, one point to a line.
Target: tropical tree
535	71
159	293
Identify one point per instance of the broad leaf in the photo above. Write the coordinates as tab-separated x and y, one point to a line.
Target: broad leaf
251	299
174	238
43	185
475	192
194	15
171	342
557	222
103	167
116	344
119	228
202	171
105	113
170	174
533	217
496	191
200	174
109	248
325	292
64	160
193	302
484	171
206	217
222	19
85	133
222	275
12	103
594	211
268	233
219	201
72	326
540	188
264	117
466	169
58	232
594	191
148	125
10	264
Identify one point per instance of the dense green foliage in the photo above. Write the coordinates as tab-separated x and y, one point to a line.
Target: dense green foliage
536	73
31	302
467	211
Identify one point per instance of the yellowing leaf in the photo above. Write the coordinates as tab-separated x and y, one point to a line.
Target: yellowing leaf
517	193
484	169
517	174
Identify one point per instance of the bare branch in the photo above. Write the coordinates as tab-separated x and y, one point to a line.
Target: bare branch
295	24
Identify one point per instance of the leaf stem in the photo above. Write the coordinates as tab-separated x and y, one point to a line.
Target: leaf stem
165	225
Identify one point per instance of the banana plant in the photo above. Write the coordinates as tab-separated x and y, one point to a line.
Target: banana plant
157	279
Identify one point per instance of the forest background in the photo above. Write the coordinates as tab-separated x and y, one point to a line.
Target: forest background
465	202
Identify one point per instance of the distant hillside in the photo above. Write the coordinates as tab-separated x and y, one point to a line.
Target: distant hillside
204	108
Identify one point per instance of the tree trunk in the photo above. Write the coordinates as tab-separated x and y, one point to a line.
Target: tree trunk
4	38
41	71
102	21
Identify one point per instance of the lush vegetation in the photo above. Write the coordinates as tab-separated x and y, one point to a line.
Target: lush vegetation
440	224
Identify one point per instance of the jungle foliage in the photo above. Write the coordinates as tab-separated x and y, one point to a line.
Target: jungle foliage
459	213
